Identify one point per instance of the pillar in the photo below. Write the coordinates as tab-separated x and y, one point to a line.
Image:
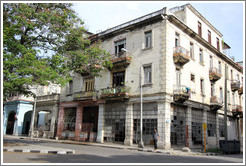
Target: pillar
78	123
163	125
188	127
100	127
60	122
217	130
129	125
204	120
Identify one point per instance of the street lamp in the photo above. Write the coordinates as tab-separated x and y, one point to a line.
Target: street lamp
140	144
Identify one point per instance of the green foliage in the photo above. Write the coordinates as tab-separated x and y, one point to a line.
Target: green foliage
44	42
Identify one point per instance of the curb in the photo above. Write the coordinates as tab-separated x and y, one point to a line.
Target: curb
40	151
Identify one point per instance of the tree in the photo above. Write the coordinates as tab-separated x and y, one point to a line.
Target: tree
44	42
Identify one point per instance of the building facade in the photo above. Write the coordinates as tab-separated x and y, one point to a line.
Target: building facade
185	78
18	110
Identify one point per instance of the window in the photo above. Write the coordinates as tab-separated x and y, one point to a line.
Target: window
218	43
211	62
219	66
177	40
70	87
118	79
147	75
89	85
192	77
118	46
212	89
148	39
178	77
233	98
199	29
221	94
192	50
201	56
238	77
228	97
231	74
209	37
202	86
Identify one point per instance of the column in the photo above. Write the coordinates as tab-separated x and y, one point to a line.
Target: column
53	120
129	125
60	122
163	126
78	124
217	130
100	127
204	120
188	127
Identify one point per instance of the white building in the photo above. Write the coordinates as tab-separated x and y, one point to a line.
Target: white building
182	61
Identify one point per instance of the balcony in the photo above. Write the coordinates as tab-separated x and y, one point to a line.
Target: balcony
235	85
121	59
214	74
114	93
237	110
85	95
215	103
181	93
48	99
240	91
180	56
86	70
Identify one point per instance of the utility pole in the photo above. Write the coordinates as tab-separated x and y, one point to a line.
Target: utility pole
225	112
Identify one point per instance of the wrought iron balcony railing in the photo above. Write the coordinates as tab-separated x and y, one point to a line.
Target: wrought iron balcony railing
115	92
235	85
214	74
180	56
181	93
215	103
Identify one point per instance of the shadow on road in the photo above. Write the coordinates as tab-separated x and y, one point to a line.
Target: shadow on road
141	158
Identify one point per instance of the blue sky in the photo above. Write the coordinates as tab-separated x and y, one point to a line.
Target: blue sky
227	17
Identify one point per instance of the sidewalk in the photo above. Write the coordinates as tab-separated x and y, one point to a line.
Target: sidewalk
31	148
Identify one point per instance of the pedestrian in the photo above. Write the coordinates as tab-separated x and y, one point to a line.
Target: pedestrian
155	138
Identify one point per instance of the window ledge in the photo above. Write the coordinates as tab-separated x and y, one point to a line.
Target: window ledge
69	94
147	85
202	63
147	48
203	95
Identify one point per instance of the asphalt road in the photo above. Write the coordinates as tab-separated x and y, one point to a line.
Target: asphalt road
93	154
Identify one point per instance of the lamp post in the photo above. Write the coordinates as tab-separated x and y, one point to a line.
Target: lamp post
141	144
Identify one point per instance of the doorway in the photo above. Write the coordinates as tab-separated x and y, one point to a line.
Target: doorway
90	122
26	122
11	123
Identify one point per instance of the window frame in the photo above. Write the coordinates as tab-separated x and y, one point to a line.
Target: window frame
192	51
148	41
199	28
209	36
201	59
118	46
147	79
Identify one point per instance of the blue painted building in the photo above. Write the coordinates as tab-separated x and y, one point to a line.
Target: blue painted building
17	117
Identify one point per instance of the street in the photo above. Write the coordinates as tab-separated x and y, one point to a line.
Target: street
95	154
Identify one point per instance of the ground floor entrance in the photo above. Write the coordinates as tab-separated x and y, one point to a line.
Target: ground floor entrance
11	123
77	121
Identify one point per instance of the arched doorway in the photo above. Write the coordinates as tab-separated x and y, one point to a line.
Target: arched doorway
27	122
11	123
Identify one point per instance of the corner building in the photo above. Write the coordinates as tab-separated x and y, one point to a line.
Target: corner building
183	61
